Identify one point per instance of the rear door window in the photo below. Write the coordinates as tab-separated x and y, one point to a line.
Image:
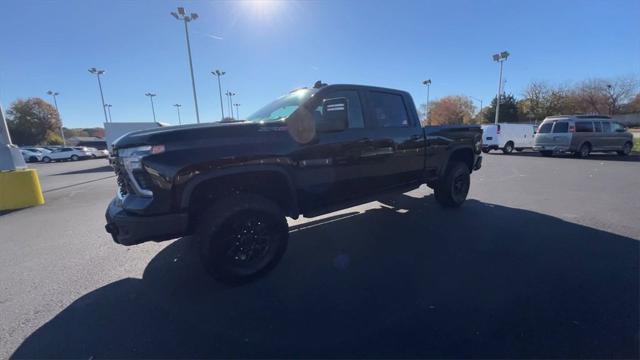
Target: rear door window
388	110
584	126
616	126
561	127
598	126
545	128
606	126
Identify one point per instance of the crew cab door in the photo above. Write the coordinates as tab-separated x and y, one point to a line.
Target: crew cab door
330	167
397	144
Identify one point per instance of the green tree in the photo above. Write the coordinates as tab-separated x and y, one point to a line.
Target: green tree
508	109
32	121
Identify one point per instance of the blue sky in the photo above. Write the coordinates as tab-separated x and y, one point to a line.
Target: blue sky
269	48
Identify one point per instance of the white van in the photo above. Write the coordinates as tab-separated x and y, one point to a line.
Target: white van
507	137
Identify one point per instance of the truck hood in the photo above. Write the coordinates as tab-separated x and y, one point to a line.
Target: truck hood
182	133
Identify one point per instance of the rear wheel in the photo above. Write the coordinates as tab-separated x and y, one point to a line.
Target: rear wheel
626	149
584	151
75	157
242	237
46	159
453	189
508	147
546	153
486	151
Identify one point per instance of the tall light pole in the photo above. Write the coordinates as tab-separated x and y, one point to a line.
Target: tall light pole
151	95
237	111
230	98
97	73
427	83
501	57
55	102
109	111
181	15
219	73
178	108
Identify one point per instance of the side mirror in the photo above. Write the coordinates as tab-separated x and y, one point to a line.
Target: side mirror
334	115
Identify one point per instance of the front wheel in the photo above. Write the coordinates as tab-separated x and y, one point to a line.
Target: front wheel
242	237
46	159
452	190
508	147
626	150
75	157
486	151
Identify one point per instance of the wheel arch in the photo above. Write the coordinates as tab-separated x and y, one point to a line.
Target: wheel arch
463	154
271	182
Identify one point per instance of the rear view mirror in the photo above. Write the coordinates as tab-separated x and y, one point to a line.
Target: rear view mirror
334	115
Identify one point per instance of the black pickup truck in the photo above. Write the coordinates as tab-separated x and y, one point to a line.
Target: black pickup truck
312	151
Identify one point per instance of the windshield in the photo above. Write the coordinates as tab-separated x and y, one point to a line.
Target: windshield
282	107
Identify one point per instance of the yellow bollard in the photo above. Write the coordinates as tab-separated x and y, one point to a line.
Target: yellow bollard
20	189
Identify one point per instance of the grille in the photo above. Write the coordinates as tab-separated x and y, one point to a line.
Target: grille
121	178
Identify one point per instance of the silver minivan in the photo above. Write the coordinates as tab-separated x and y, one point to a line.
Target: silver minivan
581	135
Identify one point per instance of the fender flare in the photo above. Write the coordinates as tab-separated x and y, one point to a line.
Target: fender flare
236	170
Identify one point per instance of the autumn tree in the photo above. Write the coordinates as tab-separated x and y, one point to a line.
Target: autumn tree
33	121
451	110
508	109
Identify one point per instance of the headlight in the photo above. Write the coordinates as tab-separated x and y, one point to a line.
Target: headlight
132	157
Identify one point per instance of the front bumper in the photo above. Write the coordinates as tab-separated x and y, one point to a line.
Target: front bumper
130	229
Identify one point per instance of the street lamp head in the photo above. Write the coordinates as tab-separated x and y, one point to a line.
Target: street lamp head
177	105
427	82
175	15
194	16
181	11
150	94
504	55
496	57
49	92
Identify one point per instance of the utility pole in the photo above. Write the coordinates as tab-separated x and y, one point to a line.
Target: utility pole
237	111
427	83
55	102
109	111
97	73
178	108
219	73
181	15
480	100
151	95
501	57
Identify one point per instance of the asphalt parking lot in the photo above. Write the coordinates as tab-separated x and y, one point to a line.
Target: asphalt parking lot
542	261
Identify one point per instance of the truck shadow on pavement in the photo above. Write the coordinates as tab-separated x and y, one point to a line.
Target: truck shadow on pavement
407	280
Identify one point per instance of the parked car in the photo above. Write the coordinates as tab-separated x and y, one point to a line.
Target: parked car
582	134
507	137
95	153
39	150
97	144
309	152
31	156
66	153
